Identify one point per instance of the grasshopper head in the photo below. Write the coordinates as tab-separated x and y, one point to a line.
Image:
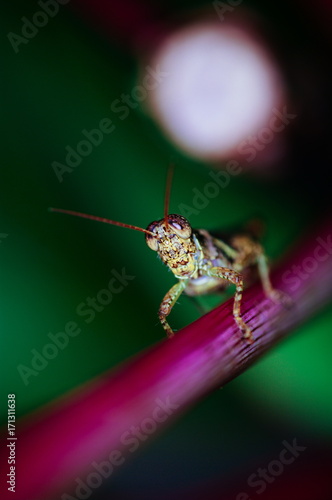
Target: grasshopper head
172	238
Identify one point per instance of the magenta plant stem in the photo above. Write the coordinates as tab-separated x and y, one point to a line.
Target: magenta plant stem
58	445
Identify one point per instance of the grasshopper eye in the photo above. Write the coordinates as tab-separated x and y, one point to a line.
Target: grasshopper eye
180	226
152	242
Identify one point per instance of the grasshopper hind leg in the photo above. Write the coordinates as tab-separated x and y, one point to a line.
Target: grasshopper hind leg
272	293
250	252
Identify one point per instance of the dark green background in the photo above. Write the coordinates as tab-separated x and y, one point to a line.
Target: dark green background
62	81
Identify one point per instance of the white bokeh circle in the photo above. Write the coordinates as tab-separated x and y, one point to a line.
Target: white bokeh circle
220	87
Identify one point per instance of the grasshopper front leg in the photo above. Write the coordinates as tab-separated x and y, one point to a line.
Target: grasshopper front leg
168	302
236	279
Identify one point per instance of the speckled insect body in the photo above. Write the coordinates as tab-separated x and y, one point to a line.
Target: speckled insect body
204	264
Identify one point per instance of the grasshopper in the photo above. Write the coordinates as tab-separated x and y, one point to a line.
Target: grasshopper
202	263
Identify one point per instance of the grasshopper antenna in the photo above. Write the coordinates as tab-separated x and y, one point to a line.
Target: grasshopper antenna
100	219
168	191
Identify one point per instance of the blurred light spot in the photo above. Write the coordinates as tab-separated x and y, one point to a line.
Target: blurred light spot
221	87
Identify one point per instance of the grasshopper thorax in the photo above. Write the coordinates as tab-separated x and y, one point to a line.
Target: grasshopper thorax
173	239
